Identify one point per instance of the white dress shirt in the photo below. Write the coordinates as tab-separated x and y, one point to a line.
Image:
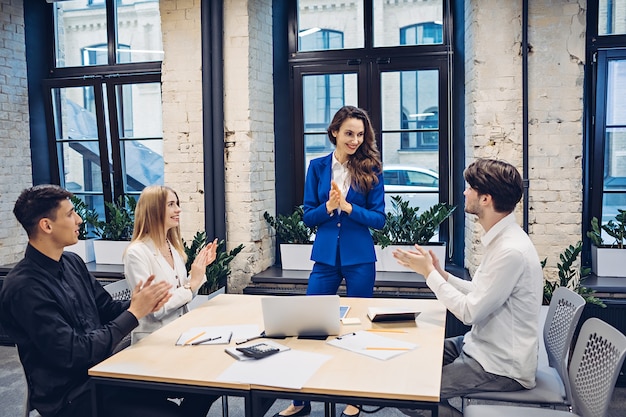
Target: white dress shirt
143	259
501	303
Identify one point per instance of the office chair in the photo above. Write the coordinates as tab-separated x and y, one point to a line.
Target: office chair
553	386
595	366
119	291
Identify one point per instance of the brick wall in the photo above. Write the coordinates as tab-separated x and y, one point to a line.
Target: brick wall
494	112
182	109
248	119
15	169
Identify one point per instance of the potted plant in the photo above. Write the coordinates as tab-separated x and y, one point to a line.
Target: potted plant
84	246
295	239
570	277
217	272
115	233
404	227
608	260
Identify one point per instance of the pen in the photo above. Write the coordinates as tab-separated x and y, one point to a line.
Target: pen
386	330
386	348
194	338
197	342
345	335
262	335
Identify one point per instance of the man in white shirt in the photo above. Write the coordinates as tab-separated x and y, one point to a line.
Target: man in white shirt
502	300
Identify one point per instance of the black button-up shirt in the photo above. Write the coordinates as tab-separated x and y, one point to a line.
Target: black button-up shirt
63	323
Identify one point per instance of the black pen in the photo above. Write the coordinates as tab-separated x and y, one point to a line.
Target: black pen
345	335
197	342
262	335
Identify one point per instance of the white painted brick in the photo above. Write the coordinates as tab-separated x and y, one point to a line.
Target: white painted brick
15	170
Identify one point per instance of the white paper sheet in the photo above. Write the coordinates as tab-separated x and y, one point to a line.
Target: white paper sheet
220	334
366	343
289	369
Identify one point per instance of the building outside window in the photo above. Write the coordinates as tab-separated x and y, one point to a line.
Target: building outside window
104	99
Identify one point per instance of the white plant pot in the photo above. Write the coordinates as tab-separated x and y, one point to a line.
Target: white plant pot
84	249
608	262
387	263
109	251
296	256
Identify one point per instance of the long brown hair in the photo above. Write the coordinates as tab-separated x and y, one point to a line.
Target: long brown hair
364	165
150	218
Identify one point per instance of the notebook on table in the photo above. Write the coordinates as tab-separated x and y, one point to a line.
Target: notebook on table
301	315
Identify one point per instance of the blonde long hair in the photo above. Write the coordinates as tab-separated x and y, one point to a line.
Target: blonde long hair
150	218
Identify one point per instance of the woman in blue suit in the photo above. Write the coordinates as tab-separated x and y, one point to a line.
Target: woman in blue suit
344	197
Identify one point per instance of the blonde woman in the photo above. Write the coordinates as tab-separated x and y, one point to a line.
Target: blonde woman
157	249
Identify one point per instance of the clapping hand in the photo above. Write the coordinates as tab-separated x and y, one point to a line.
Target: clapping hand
204	258
419	260
149	297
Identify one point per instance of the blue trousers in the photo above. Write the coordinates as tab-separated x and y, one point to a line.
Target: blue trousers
325	280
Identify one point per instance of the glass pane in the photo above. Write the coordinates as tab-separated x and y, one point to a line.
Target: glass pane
141	133
76	134
410	136
80	161
139	31
408	23
332	26
323	95
81	32
615	160
616	93
78	25
143	164
611	17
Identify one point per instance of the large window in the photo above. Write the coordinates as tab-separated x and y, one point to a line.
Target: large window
390	58
606	165
103	99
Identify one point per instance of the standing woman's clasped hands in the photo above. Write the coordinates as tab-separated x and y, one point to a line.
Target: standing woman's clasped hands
336	200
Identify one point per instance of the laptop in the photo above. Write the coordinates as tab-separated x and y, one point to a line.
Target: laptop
301	315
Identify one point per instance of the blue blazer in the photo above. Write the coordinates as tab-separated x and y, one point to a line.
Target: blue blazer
349	233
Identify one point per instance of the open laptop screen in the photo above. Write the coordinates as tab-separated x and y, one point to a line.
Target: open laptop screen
301	315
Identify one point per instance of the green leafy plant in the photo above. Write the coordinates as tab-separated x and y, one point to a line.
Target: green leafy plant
291	229
570	277
617	230
218	271
404	226
89	216
120	219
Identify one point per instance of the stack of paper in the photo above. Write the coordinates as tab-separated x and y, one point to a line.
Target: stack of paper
216	335
373	345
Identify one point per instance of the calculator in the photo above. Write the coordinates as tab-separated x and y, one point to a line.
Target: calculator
258	351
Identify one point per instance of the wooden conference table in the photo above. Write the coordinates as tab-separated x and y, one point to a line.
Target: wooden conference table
411	379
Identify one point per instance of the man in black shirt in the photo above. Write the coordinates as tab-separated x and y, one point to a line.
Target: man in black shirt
64	322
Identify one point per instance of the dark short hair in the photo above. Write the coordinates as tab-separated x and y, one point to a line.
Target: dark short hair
501	180
38	202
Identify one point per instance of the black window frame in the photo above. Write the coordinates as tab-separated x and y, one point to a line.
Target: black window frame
599	48
289	63
110	75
